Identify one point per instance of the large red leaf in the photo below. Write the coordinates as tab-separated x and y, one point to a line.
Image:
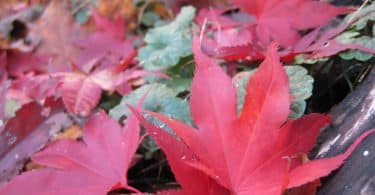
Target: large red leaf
94	166
256	152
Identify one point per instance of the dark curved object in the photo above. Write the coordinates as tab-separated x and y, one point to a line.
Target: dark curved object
347	2
353	116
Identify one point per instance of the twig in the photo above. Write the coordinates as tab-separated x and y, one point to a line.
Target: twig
357	11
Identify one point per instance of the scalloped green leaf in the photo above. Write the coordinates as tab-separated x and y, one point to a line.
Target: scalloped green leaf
166	45
301	85
366	41
160	98
302	59
365	15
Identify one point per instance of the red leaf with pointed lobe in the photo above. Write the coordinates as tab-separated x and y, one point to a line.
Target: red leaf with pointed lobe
95	166
312	170
255	152
191	180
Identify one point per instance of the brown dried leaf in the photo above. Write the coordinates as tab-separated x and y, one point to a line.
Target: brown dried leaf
72	132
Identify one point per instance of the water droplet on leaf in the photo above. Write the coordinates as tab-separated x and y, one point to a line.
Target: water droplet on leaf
12	140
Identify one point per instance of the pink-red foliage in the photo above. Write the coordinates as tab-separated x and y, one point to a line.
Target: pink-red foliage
96	165
258	151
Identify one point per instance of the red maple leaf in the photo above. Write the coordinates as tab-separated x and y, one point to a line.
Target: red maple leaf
95	165
107	45
280	20
103	65
256	152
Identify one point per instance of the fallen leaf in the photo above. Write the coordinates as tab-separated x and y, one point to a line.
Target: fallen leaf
275	20
258	148
20	63
56	31
125	8
76	166
193	181
28	131
166	45
301	86
31	87
159	98
107	45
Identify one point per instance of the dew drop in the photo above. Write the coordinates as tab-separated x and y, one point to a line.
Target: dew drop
7	134
83	113
12	140
366	153
52	134
46	111
162	126
183	157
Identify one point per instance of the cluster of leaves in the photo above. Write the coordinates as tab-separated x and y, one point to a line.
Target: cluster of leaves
260	151
353	35
223	129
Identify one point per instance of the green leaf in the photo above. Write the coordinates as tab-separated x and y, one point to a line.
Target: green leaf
166	45
11	107
297	108
301	59
179	85
366	14
366	41
301	85
160	99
